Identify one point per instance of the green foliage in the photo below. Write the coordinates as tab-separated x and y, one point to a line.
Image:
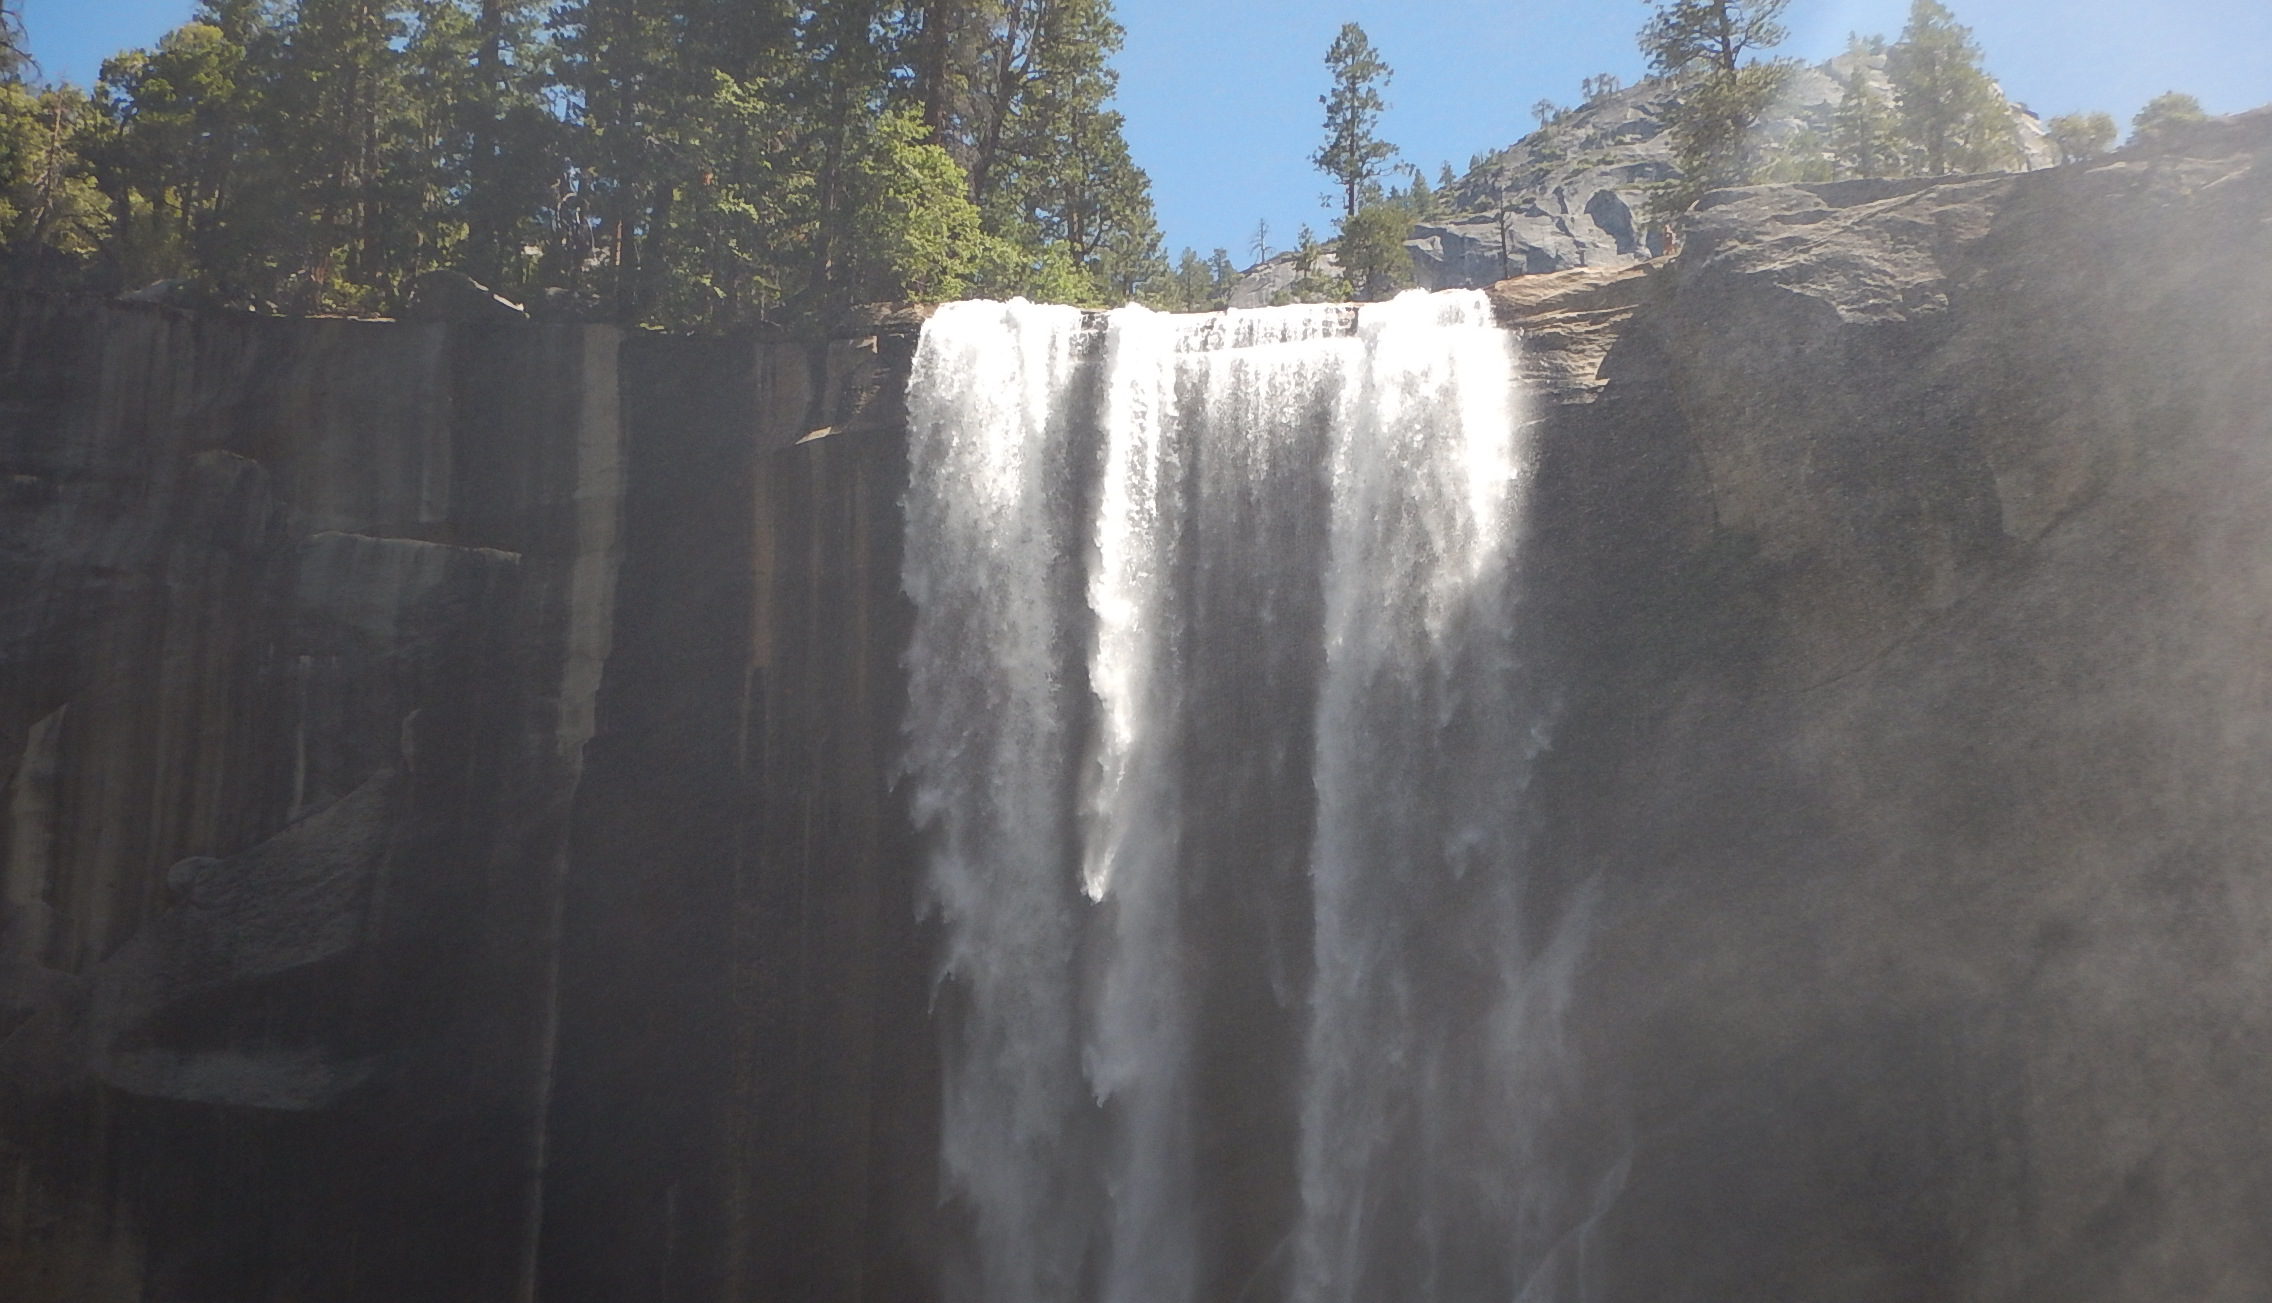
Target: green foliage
12	56
672	162
1705	48
1712	124
51	214
1027	82
162	146
1864	134
1371	249
2164	115
1313	281
1195	285
1953	119
1354	155
1685	36
1804	156
915	234
50	210
2082	136
1422	198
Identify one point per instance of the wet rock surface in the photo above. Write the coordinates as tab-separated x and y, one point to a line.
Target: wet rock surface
309	634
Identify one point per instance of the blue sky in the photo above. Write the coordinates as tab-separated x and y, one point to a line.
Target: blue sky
1221	96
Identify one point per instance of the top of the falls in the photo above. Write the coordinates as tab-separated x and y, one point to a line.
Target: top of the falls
1241	328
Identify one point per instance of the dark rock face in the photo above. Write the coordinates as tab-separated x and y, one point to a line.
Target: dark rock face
452	847
404	762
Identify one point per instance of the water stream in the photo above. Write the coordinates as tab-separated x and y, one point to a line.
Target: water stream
1219	735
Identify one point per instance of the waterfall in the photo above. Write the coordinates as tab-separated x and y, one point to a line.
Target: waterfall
989	549
1199	598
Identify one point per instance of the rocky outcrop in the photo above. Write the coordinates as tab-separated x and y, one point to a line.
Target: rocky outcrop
1903	543
444	295
1575	193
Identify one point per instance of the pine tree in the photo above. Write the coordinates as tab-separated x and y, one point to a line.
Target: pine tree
51	214
1222	278
165	149
1706	48
340	86
1802	156
1863	133
1422	198
1953	119
503	144
1354	155
1312	283
12	56
1187	288
1018	91
2164	115
1371	249
675	162
623	90
2081	136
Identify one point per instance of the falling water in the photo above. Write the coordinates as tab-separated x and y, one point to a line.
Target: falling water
988	552
1104	518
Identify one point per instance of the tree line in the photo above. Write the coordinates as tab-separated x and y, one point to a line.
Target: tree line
712	163
686	163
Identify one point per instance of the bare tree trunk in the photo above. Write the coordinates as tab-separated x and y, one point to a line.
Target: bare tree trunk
934	45
487	246
1009	75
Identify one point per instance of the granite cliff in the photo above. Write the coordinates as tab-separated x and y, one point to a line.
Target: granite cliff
453	847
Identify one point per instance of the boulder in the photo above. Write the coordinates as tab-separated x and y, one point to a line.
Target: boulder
444	295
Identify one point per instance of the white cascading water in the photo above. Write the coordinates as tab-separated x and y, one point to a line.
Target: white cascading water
1414	1054
988	549
1069	479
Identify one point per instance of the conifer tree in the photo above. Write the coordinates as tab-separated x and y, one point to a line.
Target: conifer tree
12	57
50	210
165	149
1707	49
504	143
1371	249
1864	136
1354	155
2164	114
1312	283
1422	198
1018	92
2081	136
1953	119
676	162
